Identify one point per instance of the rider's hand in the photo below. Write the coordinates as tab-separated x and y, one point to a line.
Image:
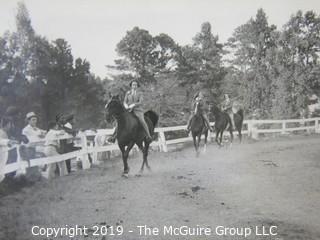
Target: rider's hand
12	143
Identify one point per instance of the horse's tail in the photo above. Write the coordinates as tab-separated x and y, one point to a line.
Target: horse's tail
152	116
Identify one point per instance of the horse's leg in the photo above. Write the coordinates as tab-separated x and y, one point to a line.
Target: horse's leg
195	142
144	151
205	141
125	154
221	133
231	136
217	137
145	155
198	143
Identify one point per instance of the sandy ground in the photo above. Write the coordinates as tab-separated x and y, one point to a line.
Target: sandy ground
273	182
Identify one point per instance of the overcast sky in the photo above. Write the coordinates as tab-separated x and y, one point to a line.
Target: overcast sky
94	27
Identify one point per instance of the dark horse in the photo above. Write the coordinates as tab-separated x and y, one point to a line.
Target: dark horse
130	131
223	122
198	127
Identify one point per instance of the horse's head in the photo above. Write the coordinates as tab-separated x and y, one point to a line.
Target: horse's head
114	107
214	109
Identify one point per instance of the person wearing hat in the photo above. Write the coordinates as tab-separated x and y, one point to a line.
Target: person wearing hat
31	131
198	102
133	101
66	123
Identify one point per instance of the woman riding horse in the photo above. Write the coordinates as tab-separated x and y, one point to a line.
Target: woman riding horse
198	104
133	103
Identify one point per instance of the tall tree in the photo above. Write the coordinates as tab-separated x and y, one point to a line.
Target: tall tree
201	63
249	46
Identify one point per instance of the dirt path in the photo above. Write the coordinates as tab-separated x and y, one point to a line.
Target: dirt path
272	182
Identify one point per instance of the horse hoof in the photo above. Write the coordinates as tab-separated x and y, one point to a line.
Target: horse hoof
149	169
138	174
205	149
125	175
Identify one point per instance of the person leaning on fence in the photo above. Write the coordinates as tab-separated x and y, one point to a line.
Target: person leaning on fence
133	103
52	146
198	102
35	135
66	123
6	125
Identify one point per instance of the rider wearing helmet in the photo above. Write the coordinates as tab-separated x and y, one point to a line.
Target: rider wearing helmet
198	104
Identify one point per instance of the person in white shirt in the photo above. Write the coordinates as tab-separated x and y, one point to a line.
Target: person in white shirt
5	143
34	134
52	146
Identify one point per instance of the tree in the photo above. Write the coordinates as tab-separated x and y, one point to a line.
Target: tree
298	64
201	63
250	47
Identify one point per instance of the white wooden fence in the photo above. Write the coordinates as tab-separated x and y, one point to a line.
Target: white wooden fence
252	128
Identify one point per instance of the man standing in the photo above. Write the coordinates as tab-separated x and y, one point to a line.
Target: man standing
133	103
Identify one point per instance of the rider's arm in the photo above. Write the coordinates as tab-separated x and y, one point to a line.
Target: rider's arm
125	101
140	100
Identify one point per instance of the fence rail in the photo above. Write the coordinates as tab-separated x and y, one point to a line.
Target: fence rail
252	128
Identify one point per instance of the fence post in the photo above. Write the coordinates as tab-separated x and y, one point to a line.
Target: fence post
253	130
22	164
84	158
316	125
93	146
163	143
283	128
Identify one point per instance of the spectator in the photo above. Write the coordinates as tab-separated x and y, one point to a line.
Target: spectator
52	148
35	135
67	145
5	143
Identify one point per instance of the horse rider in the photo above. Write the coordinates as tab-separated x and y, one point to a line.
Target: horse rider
198	102
227	107
133	103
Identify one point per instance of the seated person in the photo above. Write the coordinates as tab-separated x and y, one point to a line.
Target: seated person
198	102
133	102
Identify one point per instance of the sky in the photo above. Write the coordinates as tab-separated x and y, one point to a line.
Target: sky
94	27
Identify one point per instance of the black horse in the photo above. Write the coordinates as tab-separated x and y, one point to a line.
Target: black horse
198	127
223	122
130	131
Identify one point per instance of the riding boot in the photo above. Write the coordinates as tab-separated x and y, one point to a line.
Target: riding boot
144	125
112	139
207	122
189	124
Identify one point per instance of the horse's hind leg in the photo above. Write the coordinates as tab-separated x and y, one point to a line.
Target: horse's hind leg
240	135
231	136
144	151
145	155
